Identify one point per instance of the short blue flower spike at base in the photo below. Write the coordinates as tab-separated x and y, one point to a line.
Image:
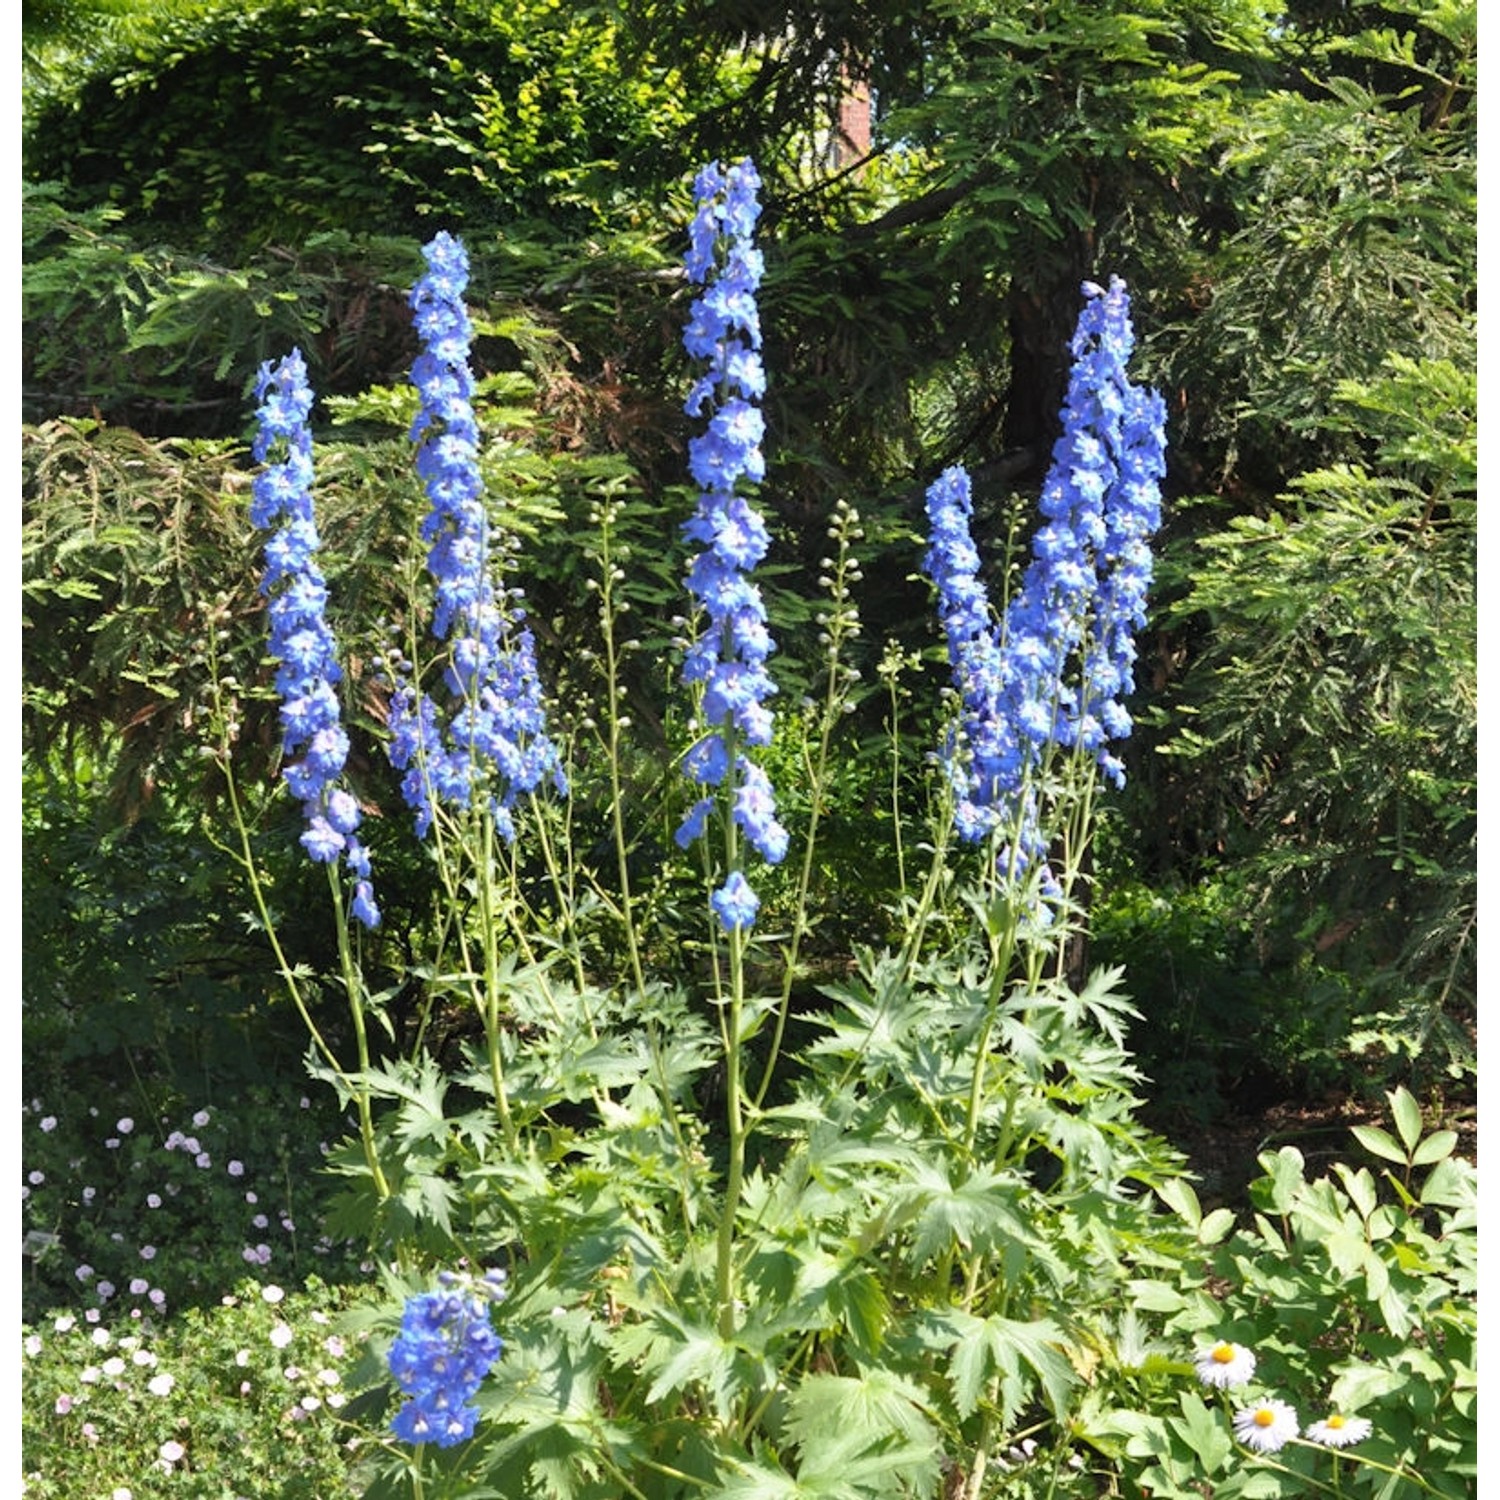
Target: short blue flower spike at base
444	1350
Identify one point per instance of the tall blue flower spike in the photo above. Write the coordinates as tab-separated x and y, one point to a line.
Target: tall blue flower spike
1057	668
729	658
495	740
301	640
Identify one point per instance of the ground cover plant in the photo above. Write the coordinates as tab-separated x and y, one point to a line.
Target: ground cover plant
634	1224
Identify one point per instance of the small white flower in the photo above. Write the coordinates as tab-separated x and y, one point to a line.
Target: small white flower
113	1366
236	1169
121	1493
160	1385
281	1335
1267	1426
242	1357
100	1336
1339	1431
310	1403
328	1377
36	1179
49	1124
201	1118
65	1323
153	1200
336	1399
172	1451
33	1344
144	1358
1224	1365
148	1252
272	1294
125	1126
89	1375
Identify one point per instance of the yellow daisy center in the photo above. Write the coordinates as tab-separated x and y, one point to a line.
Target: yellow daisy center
1335	1422
1264	1417
1223	1353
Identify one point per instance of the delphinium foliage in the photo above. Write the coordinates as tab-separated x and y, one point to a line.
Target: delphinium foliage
900	1271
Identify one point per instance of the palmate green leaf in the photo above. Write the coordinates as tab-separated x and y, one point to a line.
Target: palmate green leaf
1019	1355
846	1424
679	1355
979	1213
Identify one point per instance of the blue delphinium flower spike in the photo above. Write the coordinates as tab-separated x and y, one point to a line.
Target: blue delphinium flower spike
729	658
1056	669
444	1350
301	639
495	739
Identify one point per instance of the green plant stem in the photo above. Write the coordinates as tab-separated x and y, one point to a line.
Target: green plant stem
490	925
612	758
735	1118
354	990
974	1488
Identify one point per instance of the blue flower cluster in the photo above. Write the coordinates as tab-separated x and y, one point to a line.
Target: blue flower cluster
297	596
1057	668
496	735
729	658
440	1357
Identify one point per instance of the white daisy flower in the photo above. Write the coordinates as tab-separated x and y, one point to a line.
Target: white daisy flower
1224	1365
1266	1426
1339	1431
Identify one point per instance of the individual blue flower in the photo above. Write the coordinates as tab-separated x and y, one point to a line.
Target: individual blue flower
728	659
495	736
301	640
439	1359
734	903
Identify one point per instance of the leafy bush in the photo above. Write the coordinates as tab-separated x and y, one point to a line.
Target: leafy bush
264	124
1334	711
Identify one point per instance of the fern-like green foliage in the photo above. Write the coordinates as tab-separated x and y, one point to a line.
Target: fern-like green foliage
1355	240
1336	709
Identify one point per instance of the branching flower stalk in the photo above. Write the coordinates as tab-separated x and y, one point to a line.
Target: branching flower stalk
1047	678
491	748
840	625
